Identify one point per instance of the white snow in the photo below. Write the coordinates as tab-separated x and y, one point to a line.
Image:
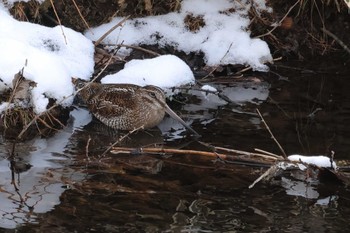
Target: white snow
319	160
224	39
164	71
209	88
49	57
41	191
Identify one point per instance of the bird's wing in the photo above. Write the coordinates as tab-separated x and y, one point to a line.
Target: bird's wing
113	102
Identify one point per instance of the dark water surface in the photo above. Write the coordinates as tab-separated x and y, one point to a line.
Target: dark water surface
69	188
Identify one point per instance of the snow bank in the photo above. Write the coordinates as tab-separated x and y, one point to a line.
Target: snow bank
49	56
224	39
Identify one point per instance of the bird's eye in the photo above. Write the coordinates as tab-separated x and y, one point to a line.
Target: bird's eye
152	94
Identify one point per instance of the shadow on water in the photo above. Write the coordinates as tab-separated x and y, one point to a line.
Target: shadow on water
68	187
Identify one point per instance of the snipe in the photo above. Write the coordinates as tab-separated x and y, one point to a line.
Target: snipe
126	106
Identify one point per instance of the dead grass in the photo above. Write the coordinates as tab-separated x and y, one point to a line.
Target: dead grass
194	23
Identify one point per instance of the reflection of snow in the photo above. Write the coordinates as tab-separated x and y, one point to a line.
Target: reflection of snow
41	186
325	201
173	128
241	93
299	188
307	190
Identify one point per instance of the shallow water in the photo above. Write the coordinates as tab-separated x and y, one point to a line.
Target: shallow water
65	186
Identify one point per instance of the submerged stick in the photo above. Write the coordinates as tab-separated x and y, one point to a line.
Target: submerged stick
120	140
272	136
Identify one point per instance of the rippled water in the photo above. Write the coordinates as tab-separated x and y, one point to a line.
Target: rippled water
62	184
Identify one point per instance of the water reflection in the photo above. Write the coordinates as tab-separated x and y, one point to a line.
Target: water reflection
33	182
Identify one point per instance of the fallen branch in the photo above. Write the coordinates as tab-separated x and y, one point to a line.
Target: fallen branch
225	157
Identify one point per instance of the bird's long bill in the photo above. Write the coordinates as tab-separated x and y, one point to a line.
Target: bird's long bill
176	117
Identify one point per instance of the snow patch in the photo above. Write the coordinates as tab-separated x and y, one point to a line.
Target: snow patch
224	38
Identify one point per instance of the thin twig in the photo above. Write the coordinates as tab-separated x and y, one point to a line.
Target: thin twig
111	30
243	70
139	48
81	16
217	66
272	136
214	148
59	20
340	42
279	23
87	149
249	67
268	153
120	140
246	153
269	172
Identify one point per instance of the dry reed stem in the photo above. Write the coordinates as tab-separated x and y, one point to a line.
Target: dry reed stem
216	67
266	156
224	157
111	30
271	171
59	20
268	153
139	48
272	136
81	16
